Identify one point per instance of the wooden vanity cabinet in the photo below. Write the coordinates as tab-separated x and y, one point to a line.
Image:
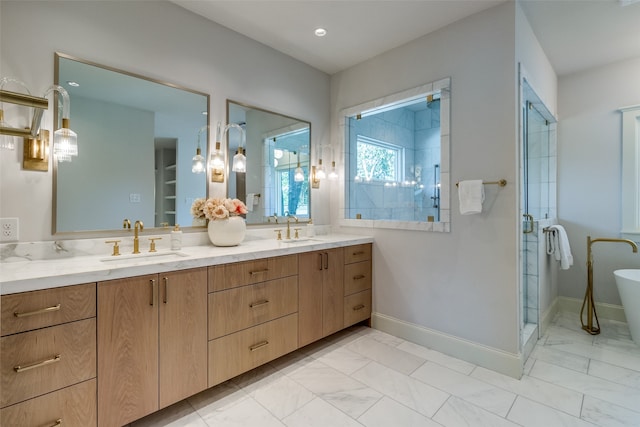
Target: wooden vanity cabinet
253	318
321	294
152	343
48	363
358	282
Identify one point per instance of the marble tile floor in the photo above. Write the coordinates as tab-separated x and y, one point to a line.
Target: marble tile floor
364	377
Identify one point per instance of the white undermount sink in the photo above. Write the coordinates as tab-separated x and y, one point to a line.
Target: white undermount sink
143	255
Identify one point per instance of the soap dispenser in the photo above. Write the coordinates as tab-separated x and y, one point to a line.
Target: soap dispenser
311	232
176	238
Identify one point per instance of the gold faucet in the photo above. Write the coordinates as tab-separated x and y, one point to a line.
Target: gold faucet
138	226
289	229
126	224
588	296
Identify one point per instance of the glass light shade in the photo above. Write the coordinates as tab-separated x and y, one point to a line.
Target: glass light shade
197	163
320	173
216	161
239	162
333	174
6	141
65	143
298	175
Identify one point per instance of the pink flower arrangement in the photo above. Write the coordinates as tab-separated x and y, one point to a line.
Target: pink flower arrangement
215	208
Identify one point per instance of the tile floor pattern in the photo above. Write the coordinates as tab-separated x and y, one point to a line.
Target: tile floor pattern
364	377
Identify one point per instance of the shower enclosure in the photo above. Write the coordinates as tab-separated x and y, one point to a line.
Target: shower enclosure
538	210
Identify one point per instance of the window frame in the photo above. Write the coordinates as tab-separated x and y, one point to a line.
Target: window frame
399	161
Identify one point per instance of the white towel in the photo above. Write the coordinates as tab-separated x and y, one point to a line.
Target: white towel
250	201
558	246
471	195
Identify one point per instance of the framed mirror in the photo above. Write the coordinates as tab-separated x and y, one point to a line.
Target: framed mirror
136	140
397	160
278	150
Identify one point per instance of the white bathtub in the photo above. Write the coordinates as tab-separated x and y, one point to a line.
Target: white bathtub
628	282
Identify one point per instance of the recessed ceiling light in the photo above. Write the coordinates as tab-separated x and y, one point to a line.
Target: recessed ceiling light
74	84
320	32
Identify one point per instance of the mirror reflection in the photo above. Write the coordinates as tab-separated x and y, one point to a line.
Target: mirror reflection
138	139
394	160
276	181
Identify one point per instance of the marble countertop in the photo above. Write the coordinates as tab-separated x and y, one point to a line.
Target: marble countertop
30	275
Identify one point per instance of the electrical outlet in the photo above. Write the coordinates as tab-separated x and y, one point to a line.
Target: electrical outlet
8	229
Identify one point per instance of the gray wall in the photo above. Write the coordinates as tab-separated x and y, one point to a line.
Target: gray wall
463	283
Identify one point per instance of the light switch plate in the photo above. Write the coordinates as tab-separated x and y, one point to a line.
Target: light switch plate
8	229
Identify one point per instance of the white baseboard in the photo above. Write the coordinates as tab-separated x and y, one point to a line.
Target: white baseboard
497	360
604	310
549	315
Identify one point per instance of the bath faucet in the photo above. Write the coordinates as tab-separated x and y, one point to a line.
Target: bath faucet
138	226
588	296
274	216
126	224
288	228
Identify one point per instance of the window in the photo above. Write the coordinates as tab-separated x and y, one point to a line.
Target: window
631	172
377	160
397	160
292	197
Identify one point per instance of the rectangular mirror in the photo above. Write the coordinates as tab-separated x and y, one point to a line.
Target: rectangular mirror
277	151
136	140
397	151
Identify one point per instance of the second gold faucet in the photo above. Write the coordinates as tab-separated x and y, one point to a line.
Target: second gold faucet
137	227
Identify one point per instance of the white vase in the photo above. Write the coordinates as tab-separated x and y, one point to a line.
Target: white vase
227	232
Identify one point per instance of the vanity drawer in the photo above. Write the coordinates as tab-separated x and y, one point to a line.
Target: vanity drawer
74	406
357	307
241	308
234	354
229	276
38	309
357	277
49	358
357	253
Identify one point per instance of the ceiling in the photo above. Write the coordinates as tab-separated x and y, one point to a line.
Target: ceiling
575	34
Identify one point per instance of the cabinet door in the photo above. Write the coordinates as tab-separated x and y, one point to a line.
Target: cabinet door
127	350
183	334
310	278
333	291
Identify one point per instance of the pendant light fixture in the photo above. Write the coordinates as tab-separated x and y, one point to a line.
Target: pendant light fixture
197	163
239	160
298	174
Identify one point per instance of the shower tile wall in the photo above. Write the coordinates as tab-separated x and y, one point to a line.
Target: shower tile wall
419	134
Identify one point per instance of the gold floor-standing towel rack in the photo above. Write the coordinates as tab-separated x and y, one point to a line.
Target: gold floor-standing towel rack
501	182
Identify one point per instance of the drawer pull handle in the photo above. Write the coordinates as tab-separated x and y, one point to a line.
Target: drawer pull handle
57	423
358	307
41	311
46	362
259	345
152	282
259	303
166	284
358	253
265	270
359	277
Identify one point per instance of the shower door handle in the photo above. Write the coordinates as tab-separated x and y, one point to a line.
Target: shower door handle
530	218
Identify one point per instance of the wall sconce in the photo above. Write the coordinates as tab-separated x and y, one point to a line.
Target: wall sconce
315	182
36	143
320	173
197	163
216	161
